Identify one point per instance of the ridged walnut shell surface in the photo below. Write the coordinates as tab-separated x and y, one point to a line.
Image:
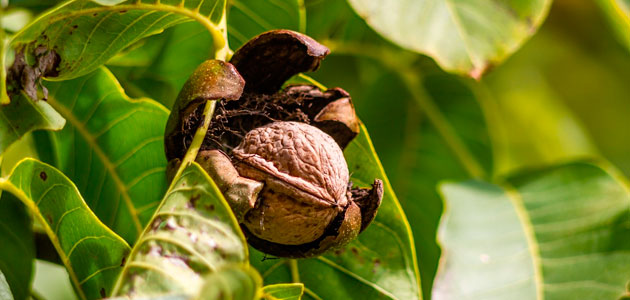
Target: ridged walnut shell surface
305	176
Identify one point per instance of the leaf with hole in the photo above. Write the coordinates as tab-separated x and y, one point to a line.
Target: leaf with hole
563	235
111	148
91	252
85	33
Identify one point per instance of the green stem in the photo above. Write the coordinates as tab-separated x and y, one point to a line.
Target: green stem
295	273
200	134
222	49
191	155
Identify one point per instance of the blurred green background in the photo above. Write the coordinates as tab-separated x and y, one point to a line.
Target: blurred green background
564	95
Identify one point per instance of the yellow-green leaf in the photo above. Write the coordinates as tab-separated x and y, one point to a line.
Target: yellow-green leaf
91	252
111	148
193	234
557	233
462	36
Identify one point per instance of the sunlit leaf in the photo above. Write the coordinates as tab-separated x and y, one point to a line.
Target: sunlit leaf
557	233
462	36
283	291
18	250
381	262
193	234
91	252
232	282
87	33
111	148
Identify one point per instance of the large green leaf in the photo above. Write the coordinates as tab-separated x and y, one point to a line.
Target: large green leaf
230	282
380	263
193	234
87	33
462	36
91	252
618	12
18	250
22	116
557	233
111	148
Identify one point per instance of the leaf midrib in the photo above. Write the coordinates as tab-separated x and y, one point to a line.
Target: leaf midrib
528	229
11	188
107	163
460	30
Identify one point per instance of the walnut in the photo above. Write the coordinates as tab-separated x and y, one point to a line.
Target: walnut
305	176
277	156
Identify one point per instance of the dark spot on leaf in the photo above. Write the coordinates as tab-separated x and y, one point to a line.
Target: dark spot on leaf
43	175
194	199
355	252
103	293
123	11
377	263
156	224
211	207
123	261
95	14
338	252
49	218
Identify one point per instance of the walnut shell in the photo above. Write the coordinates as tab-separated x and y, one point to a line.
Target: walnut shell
305	176
287	182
